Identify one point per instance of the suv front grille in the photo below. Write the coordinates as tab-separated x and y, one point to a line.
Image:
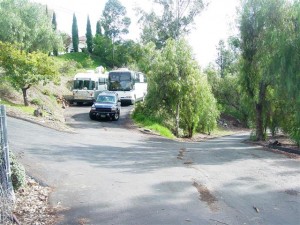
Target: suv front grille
103	110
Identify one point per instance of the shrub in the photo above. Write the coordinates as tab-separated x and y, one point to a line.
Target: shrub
36	101
46	92
17	173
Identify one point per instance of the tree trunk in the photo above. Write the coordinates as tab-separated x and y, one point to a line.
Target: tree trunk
191	129
177	120
24	91
260	133
113	51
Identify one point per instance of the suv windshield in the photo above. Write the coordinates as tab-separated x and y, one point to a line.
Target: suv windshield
106	99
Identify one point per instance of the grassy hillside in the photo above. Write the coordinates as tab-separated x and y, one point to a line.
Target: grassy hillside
47	98
83	59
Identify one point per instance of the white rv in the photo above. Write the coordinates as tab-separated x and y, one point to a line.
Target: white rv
88	85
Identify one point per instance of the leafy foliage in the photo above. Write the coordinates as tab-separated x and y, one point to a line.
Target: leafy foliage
175	20
226	59
26	23
115	23
17	172
178	92
23	70
287	62
141	116
67	40
258	25
125	52
270	65
228	94
114	20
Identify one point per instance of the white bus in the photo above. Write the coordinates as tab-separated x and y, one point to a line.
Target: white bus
88	85
131	86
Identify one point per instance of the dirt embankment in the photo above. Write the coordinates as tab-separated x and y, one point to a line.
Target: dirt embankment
47	104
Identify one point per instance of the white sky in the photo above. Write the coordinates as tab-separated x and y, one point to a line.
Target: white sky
215	22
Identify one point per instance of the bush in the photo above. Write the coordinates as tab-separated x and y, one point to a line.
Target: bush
36	101
69	67
46	92
17	173
142	116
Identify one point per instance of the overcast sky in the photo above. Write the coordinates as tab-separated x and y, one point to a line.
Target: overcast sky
215	22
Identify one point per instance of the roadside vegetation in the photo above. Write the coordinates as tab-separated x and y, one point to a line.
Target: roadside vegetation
254	77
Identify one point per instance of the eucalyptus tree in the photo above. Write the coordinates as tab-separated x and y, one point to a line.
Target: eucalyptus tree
114	21
226	59
259	22
287	63
26	23
175	20
75	36
66	39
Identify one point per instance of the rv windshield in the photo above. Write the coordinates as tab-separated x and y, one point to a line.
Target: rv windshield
120	81
84	84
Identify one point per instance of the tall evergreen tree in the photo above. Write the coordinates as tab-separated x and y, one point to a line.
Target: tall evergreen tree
98	28
54	25
75	37
89	36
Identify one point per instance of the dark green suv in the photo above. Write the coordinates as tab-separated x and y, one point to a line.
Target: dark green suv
107	105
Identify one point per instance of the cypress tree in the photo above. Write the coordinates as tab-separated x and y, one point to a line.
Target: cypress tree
54	25
75	37
98	28
89	36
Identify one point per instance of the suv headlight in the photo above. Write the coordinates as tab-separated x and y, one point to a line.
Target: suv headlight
114	108
93	108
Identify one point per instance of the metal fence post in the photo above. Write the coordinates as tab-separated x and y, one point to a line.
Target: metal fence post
5	161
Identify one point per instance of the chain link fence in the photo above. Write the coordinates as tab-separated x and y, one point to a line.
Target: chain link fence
7	195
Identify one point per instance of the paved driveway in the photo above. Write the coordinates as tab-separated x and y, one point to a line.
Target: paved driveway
109	173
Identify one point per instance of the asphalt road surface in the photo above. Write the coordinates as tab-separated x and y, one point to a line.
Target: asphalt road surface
110	173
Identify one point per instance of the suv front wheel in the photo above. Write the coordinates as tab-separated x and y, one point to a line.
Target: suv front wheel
116	116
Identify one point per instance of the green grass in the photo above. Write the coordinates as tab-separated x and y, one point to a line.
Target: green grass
152	124
220	131
26	109
87	61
